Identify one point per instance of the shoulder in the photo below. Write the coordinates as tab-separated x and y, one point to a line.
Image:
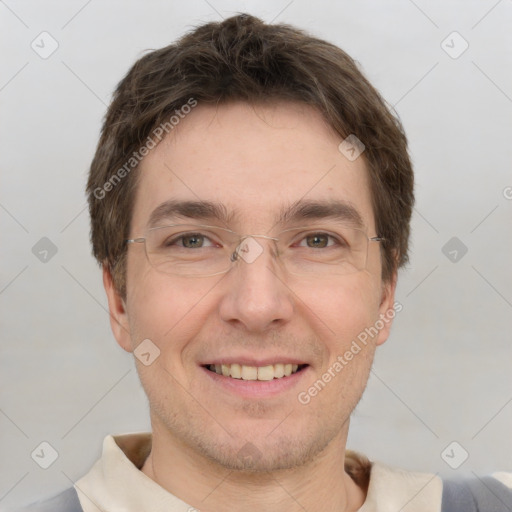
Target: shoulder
426	492
392	488
66	501
490	493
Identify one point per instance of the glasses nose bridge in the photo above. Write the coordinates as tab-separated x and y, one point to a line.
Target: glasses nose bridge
248	249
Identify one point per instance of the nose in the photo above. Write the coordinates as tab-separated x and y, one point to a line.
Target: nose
256	296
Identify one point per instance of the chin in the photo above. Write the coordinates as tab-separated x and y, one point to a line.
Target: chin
264	453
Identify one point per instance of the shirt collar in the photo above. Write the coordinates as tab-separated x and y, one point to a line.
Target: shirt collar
115	483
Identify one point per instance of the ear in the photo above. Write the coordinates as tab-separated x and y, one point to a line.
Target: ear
117	308
387	309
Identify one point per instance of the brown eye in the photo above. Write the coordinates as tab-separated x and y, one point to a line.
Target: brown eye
192	241
317	241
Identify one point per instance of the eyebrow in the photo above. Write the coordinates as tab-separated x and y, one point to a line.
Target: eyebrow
298	211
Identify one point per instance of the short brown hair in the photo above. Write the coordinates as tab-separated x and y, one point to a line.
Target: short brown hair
245	59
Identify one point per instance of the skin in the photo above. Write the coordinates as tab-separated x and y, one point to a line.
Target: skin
254	160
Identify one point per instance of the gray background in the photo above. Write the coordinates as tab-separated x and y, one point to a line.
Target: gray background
443	376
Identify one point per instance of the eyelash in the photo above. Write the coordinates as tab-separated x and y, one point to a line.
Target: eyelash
181	237
336	240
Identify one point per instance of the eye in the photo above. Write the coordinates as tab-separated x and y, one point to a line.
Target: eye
319	241
189	241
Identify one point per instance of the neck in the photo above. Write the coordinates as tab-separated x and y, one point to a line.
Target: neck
208	486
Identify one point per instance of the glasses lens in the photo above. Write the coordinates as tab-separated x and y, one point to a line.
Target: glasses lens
189	249
324	252
199	250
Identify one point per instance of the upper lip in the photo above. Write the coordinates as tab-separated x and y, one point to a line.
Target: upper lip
252	361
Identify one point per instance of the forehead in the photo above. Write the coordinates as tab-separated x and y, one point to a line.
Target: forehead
255	163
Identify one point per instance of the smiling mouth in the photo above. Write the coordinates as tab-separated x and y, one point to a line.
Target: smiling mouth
264	373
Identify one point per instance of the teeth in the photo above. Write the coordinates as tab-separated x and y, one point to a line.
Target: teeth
278	370
237	371
249	372
266	372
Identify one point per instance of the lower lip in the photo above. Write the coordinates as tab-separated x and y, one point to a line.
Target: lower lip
257	388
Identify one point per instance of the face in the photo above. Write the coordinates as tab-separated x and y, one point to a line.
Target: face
256	162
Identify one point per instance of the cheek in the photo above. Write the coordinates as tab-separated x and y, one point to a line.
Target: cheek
167	310
351	345
346	314
151	300
345	306
162	312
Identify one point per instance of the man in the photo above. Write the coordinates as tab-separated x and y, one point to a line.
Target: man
250	201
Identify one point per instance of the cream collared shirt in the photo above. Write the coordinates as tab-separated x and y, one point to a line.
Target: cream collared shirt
116	484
